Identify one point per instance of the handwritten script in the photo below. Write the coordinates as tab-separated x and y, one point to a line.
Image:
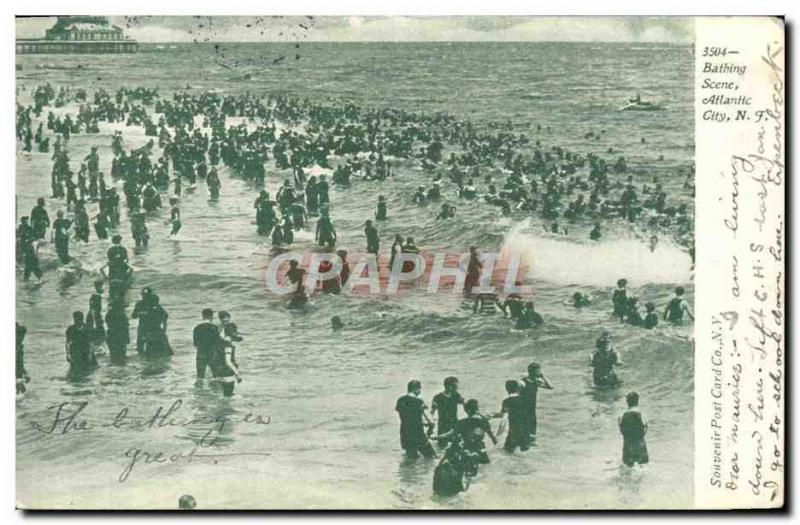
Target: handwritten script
69	418
746	357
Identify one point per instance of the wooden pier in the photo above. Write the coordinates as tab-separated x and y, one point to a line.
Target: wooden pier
79	35
41	46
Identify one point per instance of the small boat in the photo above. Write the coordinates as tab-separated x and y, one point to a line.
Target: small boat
639	105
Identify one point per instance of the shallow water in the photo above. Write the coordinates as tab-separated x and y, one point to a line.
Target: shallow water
332	439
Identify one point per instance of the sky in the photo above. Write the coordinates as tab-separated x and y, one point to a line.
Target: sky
387	29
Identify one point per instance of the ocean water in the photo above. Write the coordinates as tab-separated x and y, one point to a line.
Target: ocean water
332	438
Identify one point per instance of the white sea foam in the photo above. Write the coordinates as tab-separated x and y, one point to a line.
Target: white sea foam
565	260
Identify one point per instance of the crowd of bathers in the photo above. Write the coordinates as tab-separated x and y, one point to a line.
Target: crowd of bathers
314	148
196	134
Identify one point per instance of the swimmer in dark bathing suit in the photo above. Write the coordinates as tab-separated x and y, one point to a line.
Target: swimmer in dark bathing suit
529	317
472	430
61	228
515	410
676	307
381	213
413	419
117	331
373	241
650	318
174	216
633	428
207	340
80	354
326	233
579	300
603	360
223	360
474	268
529	393
620	299
512	306
446	404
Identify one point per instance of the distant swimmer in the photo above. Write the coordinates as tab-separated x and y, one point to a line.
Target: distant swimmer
676	307
513	306
653	243
445	404
474	268
633	428
139	231
529	317
473	429
529	392
117	255
140	311
61	228
326	233
516	412
213	184
117	332
277	236
455	470
486	303
413	419
80	354
30	259
81	230
23	237
632	315
651	317
94	318
336	323
419	196
223	358
344	273
603	360
619	299
447	211
207	341
101	225
295	274
580	300
40	221
298	300
174	216
373	241
298	214
155	320
228	328
287	229
381	211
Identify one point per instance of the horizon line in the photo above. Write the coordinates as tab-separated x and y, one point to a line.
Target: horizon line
649	42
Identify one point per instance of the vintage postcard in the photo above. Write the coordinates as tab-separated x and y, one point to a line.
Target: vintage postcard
399	263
